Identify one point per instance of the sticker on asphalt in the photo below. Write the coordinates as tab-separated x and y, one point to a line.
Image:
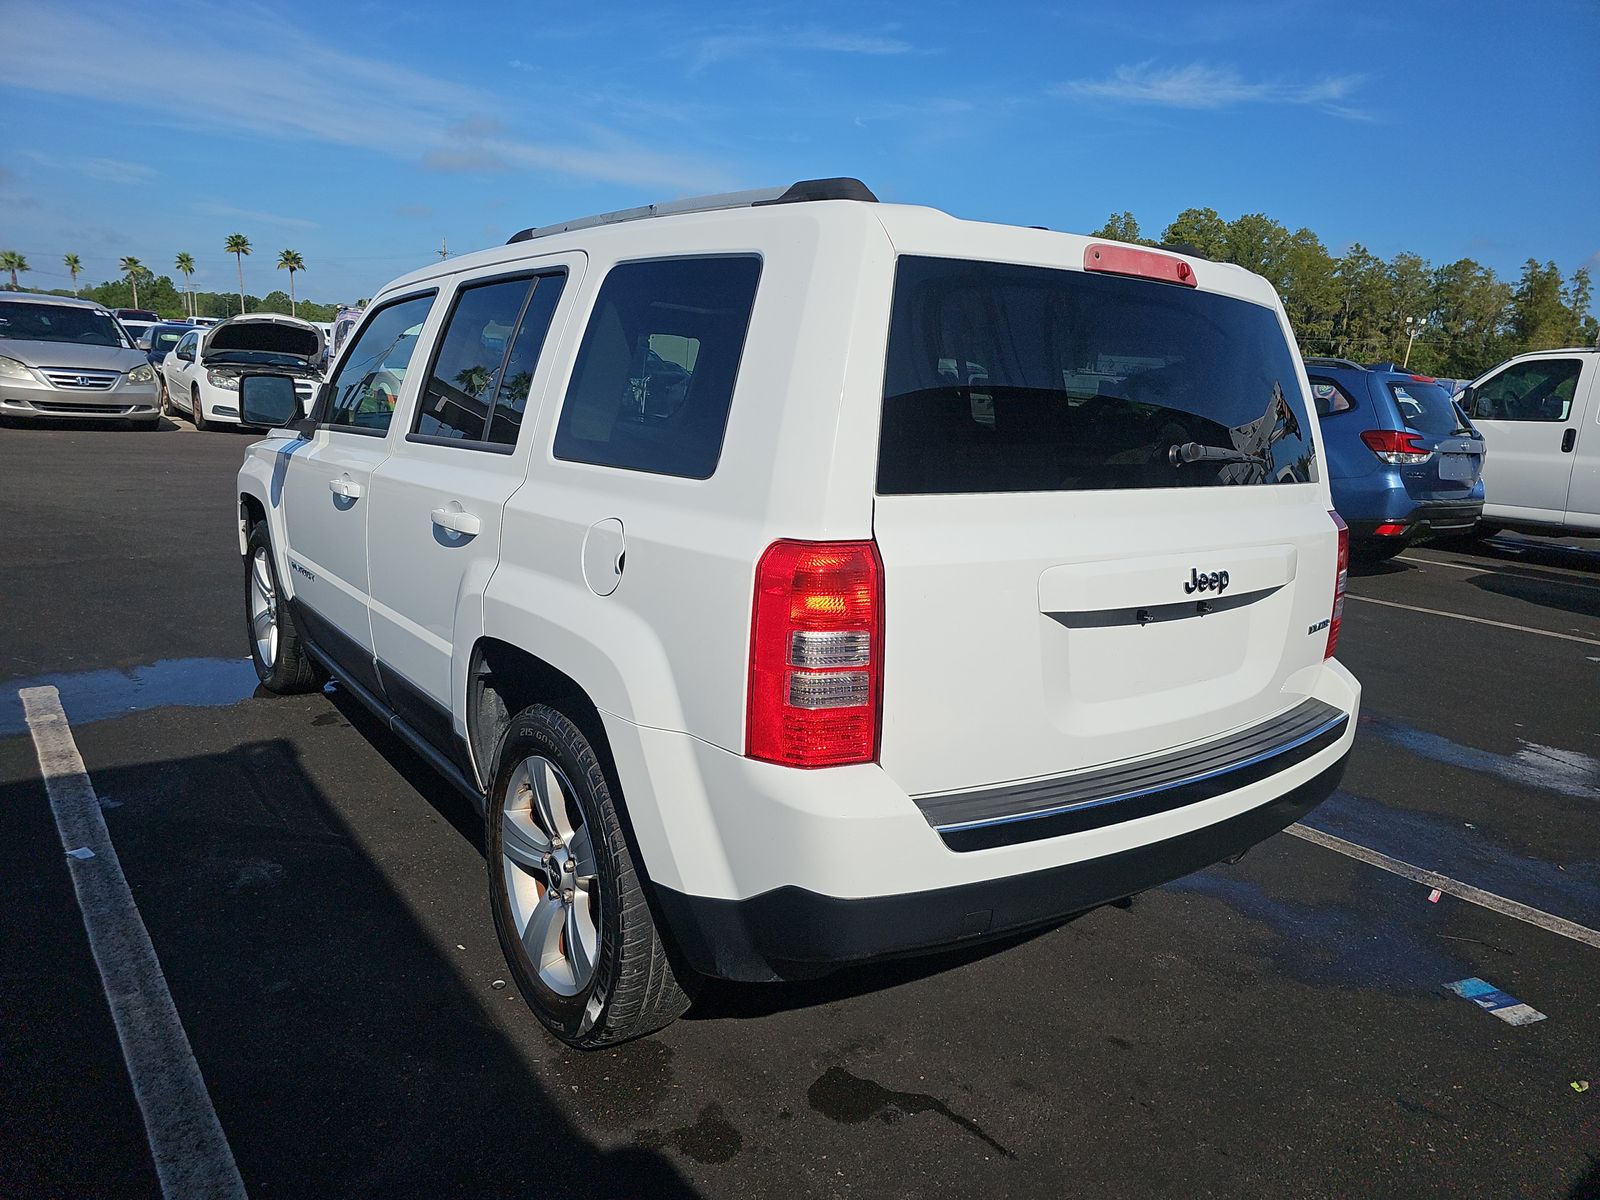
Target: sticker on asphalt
1491	999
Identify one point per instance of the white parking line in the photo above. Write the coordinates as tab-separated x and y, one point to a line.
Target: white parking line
1439	562
1450	887
1439	612
191	1153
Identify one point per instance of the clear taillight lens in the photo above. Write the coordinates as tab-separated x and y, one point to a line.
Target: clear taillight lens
1340	578
816	654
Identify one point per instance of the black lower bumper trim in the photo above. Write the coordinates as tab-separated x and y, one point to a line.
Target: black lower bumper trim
792	933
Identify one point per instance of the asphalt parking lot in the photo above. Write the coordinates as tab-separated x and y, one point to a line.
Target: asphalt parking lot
1279	1026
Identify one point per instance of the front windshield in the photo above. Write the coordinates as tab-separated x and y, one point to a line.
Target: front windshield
59	323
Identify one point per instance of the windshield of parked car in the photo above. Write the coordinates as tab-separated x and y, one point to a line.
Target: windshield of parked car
166	339
1426	407
1004	378
59	323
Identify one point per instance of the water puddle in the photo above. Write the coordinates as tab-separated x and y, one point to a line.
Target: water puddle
89	696
1569	772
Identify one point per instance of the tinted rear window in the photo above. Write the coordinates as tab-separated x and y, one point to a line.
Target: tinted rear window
1425	407
655	372
1006	378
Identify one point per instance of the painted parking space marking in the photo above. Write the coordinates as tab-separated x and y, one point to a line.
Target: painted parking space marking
191	1152
1439	612
1456	566
1491	999
1450	887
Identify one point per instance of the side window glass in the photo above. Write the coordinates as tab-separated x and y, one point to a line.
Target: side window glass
511	401
656	370
362	394
1329	397
484	365
1541	390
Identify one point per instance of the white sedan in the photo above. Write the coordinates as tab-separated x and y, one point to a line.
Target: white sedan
200	377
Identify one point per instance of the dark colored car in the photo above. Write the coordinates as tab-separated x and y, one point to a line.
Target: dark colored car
160	340
137	314
1403	459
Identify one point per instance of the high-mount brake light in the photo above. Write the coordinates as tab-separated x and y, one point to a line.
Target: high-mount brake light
1145	264
1396	446
1341	576
816	654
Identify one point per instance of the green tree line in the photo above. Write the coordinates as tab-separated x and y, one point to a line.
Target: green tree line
159	294
1355	305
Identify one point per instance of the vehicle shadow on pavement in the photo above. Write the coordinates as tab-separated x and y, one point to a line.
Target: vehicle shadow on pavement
1559	592
348	1052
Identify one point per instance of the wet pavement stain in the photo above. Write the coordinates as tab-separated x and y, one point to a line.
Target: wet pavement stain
711	1139
851	1100
1568	772
100	695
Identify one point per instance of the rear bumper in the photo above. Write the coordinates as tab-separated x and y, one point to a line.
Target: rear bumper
793	933
763	872
1443	516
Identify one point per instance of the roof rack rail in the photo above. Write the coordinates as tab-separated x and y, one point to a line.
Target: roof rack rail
806	189
1329	360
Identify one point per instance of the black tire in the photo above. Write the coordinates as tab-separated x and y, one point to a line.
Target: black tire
197	414
166	408
634	990
292	671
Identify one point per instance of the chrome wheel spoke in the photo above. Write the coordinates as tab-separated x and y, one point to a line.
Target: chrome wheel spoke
261	575
541	940
549	803
581	850
262	624
524	844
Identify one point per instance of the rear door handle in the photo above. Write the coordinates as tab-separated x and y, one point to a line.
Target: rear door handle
1569	439
348	488
456	521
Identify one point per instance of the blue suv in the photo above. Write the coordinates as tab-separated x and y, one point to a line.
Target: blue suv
1403	459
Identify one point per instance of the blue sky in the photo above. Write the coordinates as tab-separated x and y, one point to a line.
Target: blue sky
362	133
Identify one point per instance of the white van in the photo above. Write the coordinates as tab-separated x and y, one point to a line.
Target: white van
794	580
1540	419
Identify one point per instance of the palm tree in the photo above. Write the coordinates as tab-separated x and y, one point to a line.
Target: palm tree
185	264
290	261
75	266
133	268
238	245
13	261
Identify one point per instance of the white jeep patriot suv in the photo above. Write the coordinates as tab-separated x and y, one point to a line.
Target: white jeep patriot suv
794	579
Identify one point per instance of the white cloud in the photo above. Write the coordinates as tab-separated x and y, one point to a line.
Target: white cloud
259	76
208	208
108	170
1200	86
742	43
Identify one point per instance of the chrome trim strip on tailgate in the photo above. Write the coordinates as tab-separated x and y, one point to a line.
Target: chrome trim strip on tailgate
1041	808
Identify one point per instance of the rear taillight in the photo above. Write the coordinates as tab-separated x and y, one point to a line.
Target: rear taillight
1340	576
816	654
1395	446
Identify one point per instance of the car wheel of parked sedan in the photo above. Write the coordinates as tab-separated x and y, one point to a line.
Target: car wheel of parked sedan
276	650
166	408
567	900
197	411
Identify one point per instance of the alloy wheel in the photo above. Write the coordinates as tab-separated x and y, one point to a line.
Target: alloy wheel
551	876
263	609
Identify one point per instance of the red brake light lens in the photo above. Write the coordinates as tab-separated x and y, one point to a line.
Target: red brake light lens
1340	577
1396	446
1146	264
816	654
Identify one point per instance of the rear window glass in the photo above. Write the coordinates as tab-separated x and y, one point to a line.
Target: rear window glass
1006	378
654	377
1425	407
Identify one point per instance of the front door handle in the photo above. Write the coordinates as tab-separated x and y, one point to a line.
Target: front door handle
456	521
348	488
1569	439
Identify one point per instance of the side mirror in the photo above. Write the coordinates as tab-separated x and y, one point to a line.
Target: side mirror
268	400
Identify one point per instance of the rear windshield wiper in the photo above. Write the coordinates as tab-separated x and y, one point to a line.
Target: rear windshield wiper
1190	452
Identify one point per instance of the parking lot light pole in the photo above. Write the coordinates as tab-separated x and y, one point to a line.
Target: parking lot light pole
1414	326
